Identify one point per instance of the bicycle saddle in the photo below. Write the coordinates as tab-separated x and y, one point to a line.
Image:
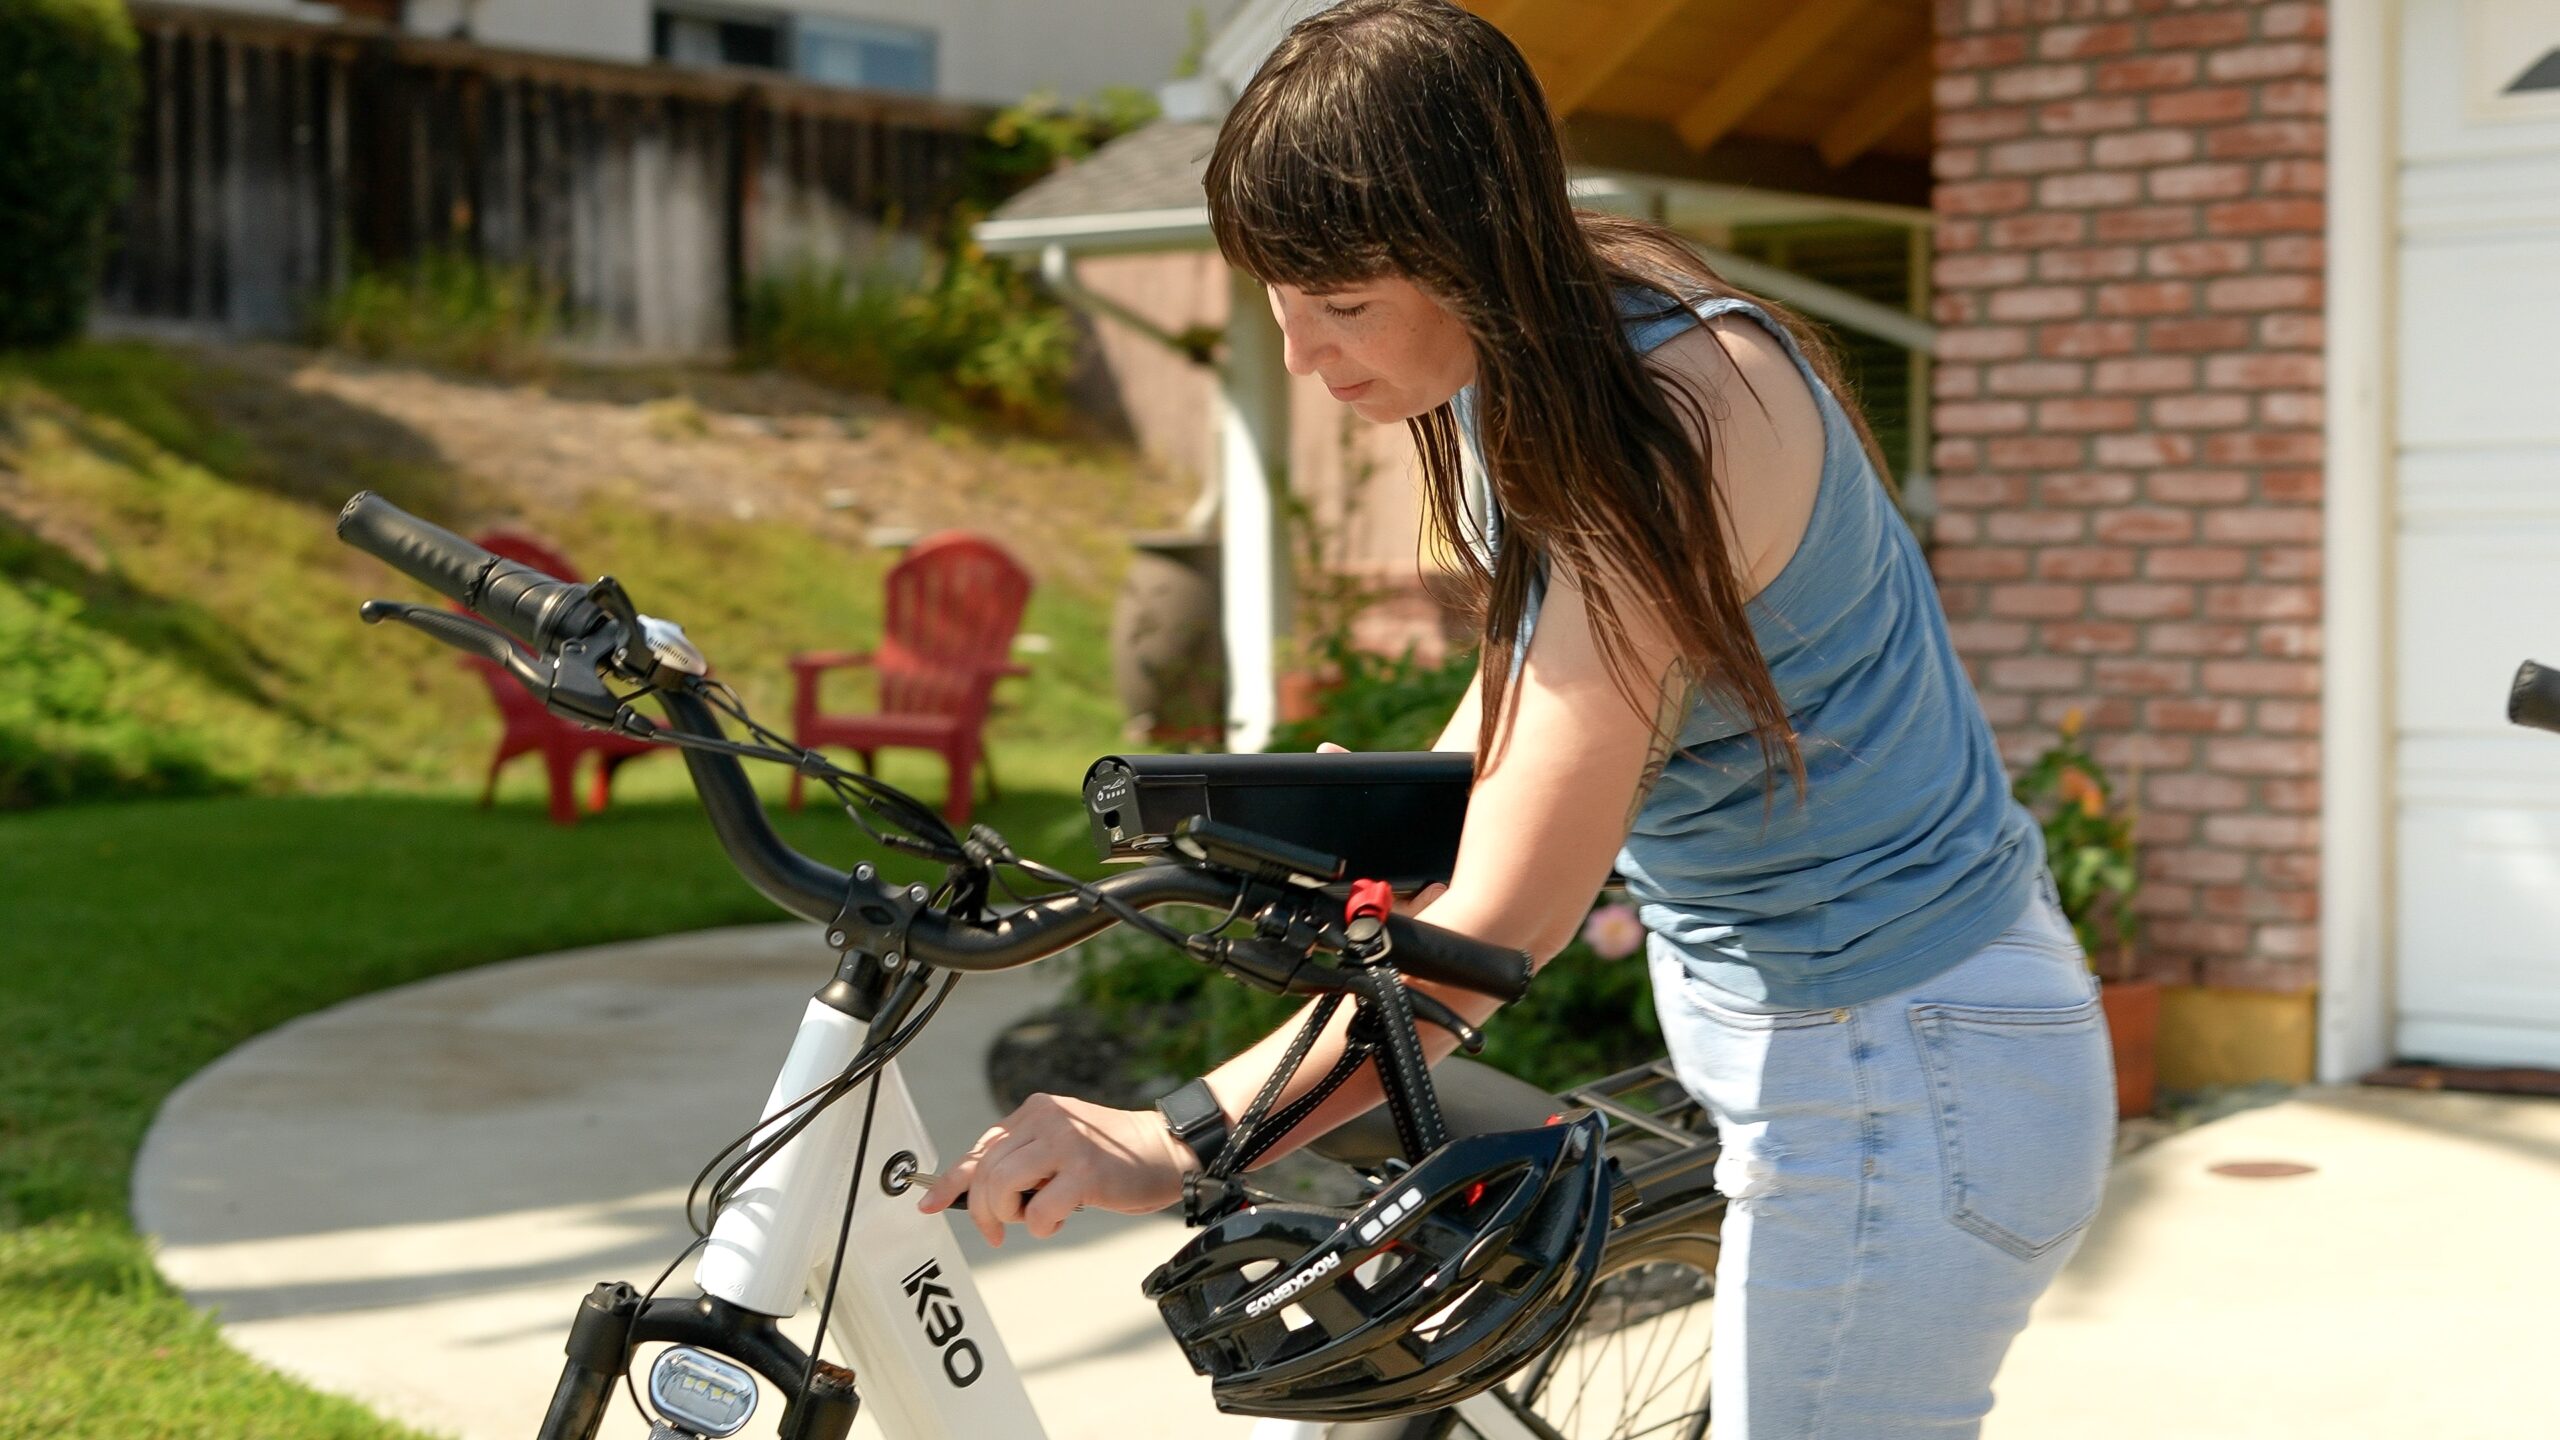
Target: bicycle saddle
1475	1099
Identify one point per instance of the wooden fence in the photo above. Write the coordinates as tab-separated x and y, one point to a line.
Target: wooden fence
272	159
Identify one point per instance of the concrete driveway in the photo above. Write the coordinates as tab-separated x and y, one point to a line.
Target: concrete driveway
402	1199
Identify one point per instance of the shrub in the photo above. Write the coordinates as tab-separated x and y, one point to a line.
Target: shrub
1590	1011
63	734
2088	840
1381	702
1586	1015
448	309
975	336
68	88
1026	141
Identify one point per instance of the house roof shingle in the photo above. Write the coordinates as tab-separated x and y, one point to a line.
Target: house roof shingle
1154	167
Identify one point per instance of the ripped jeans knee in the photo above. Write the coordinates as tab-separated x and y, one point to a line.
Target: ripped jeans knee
1748	1168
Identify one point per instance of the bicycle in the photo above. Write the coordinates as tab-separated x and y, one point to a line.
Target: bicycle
894	1290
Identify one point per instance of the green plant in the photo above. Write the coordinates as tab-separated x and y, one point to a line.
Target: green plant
447	308
1382	702
1195	43
1028	140
63	734
1590	1011
68	89
975	337
2088	840
1367	701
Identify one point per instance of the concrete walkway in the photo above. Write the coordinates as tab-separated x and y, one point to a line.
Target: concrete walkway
403	1198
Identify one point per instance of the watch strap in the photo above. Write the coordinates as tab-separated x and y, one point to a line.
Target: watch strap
1197	1120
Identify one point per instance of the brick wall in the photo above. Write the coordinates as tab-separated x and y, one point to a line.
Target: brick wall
2128	404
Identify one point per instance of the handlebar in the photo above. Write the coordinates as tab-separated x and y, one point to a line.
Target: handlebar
2535	700
555	616
533	607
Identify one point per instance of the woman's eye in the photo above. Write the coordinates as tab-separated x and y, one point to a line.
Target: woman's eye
1345	312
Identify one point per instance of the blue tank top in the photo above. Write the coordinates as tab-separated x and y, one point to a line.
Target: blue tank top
1907	853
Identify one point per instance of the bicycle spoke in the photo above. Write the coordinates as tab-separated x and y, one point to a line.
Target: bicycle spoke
1645	1371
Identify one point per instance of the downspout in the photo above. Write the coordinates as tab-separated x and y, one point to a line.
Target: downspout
1058	272
1827	301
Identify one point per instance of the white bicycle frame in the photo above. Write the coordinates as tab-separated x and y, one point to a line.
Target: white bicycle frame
908	1317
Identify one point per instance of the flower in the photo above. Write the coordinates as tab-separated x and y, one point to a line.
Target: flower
1613	932
2072	720
2078	788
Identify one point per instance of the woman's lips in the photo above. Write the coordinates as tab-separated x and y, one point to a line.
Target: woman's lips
1348	392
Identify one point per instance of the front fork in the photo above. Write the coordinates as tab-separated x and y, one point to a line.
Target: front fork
612	1322
907	1312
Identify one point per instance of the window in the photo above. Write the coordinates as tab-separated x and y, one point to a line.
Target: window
863	54
687	36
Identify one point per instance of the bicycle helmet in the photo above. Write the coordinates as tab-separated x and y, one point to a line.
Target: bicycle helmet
1484	1253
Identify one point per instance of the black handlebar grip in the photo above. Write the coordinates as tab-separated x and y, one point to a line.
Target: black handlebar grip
429	554
536	608
1427	952
2535	700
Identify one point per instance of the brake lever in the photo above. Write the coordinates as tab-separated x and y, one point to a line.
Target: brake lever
1429	1007
653	652
567	684
468	634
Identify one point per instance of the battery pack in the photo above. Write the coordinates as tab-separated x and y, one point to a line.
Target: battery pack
1392	816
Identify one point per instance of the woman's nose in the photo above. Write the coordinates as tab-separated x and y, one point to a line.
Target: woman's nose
1297	351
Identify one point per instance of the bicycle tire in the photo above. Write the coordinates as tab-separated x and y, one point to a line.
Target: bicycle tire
1645	1283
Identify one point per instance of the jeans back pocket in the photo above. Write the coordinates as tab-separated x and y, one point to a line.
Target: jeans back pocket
2025	1106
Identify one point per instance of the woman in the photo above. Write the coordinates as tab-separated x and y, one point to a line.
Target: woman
1712	650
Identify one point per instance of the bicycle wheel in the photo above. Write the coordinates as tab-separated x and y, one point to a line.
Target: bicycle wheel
1635	1364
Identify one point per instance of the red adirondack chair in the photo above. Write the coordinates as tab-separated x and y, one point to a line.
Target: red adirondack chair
954	603
529	727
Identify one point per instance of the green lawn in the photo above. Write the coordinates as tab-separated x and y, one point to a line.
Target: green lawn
177	619
144	940
176	613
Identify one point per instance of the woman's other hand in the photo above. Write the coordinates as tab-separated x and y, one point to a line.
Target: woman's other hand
1418	901
1054	1153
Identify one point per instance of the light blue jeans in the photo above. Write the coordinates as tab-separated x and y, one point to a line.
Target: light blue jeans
1906	1176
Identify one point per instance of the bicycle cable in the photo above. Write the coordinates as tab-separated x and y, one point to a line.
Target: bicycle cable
844	1231
629	1385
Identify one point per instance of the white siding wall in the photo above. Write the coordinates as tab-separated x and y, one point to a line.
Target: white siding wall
987	50
2478	519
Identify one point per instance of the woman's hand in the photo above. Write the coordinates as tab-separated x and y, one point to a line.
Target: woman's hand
1071	1152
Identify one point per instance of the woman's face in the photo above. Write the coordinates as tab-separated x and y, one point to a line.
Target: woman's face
1384	347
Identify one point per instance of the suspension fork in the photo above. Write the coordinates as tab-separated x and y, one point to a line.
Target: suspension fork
612	1323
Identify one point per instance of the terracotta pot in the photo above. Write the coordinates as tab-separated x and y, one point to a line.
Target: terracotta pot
1302	694
2133	1024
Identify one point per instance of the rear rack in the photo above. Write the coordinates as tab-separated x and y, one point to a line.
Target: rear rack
1663	1139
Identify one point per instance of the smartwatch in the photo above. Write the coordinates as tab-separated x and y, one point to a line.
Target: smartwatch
1194	1116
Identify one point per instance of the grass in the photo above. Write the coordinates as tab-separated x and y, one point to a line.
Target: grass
176	617
147	939
183	617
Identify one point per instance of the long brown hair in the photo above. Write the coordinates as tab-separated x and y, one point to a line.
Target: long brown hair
1409	138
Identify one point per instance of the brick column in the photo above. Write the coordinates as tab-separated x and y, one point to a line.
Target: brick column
2128	403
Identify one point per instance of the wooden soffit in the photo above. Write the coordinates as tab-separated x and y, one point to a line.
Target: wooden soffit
1816	96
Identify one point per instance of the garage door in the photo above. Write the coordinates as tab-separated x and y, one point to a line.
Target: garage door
2477	584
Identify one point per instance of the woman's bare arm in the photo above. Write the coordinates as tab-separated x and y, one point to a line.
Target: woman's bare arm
1548	815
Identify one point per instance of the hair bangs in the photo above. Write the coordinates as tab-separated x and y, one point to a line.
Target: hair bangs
1311	185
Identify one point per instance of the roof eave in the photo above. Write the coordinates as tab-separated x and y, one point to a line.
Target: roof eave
1181	228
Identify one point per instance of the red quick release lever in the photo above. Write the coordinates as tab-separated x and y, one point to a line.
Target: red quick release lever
1370	900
